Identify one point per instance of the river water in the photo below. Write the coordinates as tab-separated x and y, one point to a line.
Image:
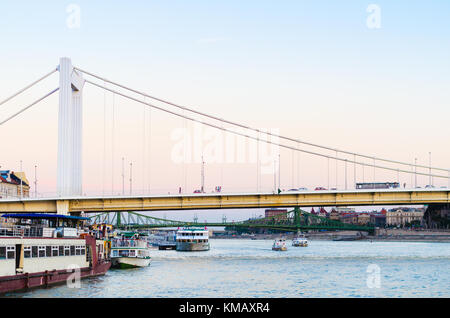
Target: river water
249	268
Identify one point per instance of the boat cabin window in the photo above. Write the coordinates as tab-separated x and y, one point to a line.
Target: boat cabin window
67	250
27	252
79	250
2	252
34	251
10	252
55	251
123	253
41	251
72	250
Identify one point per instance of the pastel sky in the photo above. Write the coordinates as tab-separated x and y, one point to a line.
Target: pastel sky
312	70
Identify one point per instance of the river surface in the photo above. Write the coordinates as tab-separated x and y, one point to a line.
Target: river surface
249	268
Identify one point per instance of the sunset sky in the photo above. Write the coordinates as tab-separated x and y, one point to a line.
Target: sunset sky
313	70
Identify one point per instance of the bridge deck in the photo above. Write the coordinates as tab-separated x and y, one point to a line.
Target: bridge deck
227	201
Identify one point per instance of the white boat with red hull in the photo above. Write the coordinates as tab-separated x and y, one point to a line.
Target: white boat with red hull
39	250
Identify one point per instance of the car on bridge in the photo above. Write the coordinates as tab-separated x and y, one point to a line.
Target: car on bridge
319	189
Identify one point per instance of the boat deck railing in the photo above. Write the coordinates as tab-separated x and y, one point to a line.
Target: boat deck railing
22	231
128	243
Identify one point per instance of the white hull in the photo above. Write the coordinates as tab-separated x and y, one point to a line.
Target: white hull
303	243
124	262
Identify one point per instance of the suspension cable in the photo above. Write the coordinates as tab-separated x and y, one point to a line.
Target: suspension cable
254	129
27	87
29	106
255	138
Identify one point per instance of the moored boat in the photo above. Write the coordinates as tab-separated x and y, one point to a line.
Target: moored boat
279	245
129	250
192	239
163	240
38	250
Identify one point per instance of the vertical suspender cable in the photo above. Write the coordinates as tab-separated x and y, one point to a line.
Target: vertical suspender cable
104	141
257	161
279	171
143	150
328	173
363	166
336	170
112	146
293	169
185	159
298	166
374	170
223	160
149	148
274	176
346	175
183	164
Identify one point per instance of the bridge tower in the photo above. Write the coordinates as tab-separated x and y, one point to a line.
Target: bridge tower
69	174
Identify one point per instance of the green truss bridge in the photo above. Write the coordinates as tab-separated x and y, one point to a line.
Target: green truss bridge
291	221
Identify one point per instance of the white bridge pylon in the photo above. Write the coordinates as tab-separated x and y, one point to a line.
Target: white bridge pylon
70	125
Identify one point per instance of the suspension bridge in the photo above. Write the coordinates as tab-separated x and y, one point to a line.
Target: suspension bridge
70	199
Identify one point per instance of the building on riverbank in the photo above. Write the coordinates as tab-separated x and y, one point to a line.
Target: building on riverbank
378	220
13	184
275	212
404	216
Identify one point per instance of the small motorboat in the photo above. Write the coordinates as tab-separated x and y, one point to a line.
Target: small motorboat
300	240
279	245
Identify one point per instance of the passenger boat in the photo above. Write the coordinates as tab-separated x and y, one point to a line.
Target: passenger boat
279	245
300	240
164	240
129	250
39	250
192	239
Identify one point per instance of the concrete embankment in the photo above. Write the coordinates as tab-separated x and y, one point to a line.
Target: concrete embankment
383	235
